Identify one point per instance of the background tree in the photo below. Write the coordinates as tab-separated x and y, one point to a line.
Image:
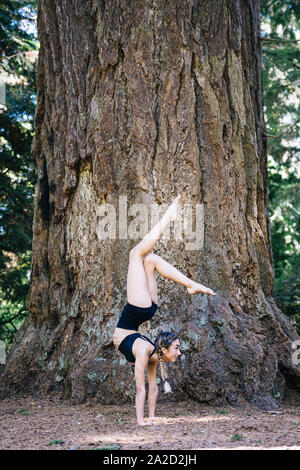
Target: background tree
17	171
155	98
281	81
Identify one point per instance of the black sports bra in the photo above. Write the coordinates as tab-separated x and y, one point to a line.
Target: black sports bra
132	316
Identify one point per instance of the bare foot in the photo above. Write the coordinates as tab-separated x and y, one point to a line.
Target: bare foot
143	423
195	287
172	211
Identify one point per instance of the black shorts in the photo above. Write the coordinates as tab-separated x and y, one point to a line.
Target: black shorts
127	343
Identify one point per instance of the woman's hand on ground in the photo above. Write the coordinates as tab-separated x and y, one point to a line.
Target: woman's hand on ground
151	421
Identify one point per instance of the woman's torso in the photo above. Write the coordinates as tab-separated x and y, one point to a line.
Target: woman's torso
134	316
140	345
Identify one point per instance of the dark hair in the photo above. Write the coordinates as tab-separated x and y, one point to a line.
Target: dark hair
164	339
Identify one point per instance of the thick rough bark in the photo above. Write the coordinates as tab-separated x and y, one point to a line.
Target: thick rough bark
145	99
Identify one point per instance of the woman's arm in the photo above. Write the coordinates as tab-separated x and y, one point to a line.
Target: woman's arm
139	373
153	388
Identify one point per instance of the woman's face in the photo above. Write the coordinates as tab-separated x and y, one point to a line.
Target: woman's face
173	351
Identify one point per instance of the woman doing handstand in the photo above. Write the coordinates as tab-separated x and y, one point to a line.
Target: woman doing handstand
142	304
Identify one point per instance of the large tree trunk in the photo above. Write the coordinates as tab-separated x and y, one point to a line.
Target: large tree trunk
145	99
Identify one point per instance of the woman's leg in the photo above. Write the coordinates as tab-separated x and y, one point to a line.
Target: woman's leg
149	267
148	242
137	283
154	262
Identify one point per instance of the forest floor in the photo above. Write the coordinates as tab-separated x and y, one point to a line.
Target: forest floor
30	423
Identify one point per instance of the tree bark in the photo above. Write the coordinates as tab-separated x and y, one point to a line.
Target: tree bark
145	99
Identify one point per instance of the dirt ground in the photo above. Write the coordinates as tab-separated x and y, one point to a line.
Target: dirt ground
30	423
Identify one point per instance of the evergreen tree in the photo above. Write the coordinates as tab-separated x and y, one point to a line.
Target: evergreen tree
19	49
281	79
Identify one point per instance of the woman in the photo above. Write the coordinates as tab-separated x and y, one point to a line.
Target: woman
142	304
